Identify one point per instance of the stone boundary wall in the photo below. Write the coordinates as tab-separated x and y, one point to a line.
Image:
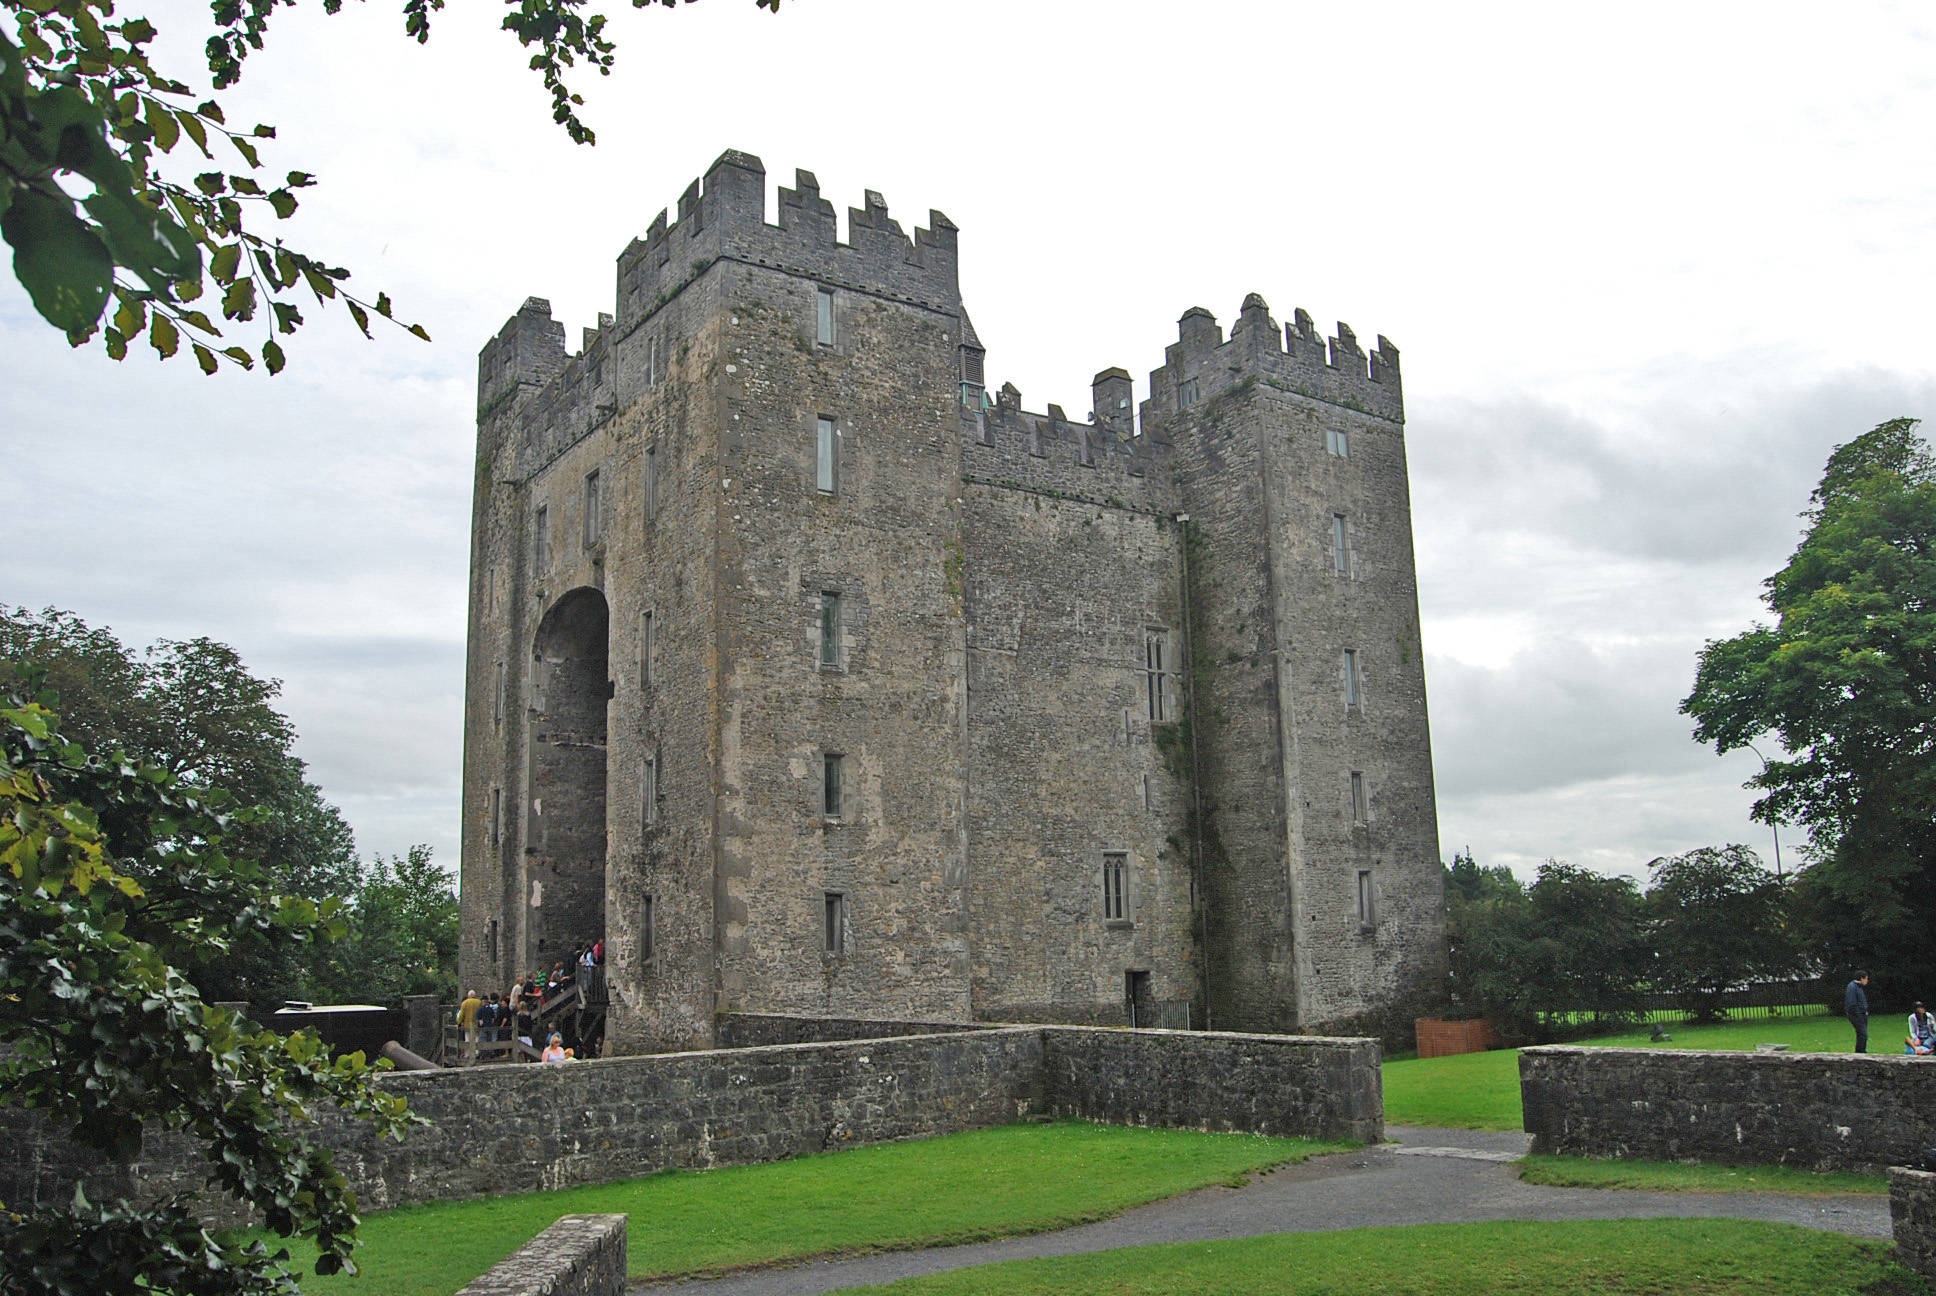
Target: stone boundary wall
506	1129
580	1255
1288	1086
1816	1111
1912	1213
733	1030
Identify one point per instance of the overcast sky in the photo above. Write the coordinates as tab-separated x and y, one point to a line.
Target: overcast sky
1647	265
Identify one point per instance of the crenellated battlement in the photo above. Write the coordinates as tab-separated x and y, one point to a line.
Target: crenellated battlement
1202	364
1100	460
723	214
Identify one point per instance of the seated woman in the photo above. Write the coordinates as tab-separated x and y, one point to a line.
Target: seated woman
1922	1034
555	1049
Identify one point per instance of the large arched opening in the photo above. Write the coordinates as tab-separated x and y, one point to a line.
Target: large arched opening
567	870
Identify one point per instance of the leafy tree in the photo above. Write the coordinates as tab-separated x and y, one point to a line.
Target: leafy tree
1719	920
193	709
1589	948
83	107
402	937
1488	927
1846	680
104	1035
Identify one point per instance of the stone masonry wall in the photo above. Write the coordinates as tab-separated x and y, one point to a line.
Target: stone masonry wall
1817	1111
506	1129
1912	1212
580	1255
758	1030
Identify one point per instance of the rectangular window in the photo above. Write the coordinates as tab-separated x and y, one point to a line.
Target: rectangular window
1115	886
652	363
541	540
490	941
594	519
649	790
1148	799
1338	442
836	922
1186	393
823	476
1367	901
490	590
497	815
825	316
1360	809
647	935
650	473
830	786
1340	554
648	645
497	696
1157	675
829	628
1350	678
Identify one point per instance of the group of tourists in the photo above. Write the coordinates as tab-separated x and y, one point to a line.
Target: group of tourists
519	1013
1921	1040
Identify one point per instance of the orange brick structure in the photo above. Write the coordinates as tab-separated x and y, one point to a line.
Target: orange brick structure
1438	1037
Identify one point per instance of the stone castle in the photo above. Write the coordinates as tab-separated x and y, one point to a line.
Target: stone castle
817	678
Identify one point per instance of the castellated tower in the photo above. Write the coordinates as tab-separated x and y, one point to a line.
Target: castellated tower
817	679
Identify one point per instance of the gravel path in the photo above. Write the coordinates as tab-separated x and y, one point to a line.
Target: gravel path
1426	1176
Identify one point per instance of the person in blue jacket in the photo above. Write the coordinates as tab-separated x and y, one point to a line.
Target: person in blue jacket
1856	1004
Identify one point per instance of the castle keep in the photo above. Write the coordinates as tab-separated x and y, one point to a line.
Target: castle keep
816	677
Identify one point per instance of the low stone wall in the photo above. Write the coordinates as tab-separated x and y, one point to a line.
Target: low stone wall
757	1030
580	1255
502	1129
1912	1212
1289	1086
1817	1111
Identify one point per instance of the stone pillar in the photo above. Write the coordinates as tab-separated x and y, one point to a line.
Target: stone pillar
1912	1211
426	1025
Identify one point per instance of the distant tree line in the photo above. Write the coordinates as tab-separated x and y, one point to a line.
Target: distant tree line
192	708
1575	950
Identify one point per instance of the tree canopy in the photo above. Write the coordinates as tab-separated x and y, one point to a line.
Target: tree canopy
107	1037
1846	681
156	237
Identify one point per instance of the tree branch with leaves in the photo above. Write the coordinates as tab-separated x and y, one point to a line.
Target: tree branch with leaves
149	252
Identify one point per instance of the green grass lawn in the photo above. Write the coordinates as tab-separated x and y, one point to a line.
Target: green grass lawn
1667	1176
1481	1090
989	1183
1643	1257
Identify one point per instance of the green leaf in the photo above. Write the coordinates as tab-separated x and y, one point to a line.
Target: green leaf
58	259
272	356
162	122
116	343
383	304
163	334
246	149
239	302
244	185
287	316
284	202
131	318
211	110
205	358
222	264
418	329
240	356
358	314
192	124
200	321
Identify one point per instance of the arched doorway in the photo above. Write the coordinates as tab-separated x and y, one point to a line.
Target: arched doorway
567	871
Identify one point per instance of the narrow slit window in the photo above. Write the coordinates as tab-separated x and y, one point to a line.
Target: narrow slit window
1367	900
824	456
650	473
490	940
594	519
830	772
1350	678
829	628
1149	800
824	321
648	645
649	790
651	363
490	590
1360	809
1340	554
647	935
541	539
1115	886
1157	674
497	696
497	815
835	930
